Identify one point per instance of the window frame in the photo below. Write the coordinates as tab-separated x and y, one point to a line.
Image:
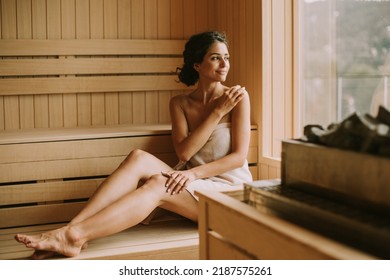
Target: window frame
278	101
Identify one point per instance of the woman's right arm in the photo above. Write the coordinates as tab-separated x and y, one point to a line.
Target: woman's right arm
186	144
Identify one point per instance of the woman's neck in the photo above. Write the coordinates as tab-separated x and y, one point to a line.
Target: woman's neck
208	92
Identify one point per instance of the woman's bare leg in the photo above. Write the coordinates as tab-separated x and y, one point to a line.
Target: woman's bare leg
138	165
122	181
127	211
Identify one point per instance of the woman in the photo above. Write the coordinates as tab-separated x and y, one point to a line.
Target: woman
210	132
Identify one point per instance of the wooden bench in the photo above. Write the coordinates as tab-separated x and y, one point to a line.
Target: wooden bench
48	173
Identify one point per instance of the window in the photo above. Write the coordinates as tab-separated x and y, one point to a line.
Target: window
342	49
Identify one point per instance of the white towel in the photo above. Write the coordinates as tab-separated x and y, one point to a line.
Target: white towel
217	146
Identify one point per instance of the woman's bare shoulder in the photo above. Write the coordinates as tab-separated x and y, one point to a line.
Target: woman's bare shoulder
180	100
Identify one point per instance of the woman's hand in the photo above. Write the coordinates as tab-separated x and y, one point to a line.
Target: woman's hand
178	181
229	99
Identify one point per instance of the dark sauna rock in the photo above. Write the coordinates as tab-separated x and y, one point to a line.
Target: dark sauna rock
357	132
313	133
383	116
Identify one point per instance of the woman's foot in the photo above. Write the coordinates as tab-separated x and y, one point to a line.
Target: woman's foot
64	241
40	255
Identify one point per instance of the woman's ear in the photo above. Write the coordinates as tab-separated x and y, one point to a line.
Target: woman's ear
196	66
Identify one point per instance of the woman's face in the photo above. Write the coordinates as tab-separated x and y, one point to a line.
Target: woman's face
215	65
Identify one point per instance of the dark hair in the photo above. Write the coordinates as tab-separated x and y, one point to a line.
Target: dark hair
195	50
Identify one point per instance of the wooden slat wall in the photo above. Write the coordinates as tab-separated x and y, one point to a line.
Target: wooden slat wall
127	19
124	19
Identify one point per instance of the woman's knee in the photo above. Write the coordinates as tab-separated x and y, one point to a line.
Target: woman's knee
156	181
135	155
154	186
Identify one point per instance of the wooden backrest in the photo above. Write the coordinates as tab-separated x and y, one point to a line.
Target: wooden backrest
77	66
75	83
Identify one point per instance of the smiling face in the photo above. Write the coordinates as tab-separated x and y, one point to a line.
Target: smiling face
215	65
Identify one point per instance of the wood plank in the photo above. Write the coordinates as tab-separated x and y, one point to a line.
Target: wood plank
68	19
272	172
258	84
124	18
111	108
54	19
152	106
134	65
6	233
177	19
88	84
24	19
159	240
91	47
11	112
110	28
48	191
362	176
56	116
9	19
202	12
163	19
70	109
169	236
138	19
151	17
139	107
84	109
252	155
96	20
151	32
39	32
96	32
2	115
125	103
39	25
279	239
98	109
41	214
96	132
58	169
82	19
189	23
255	173
267	78
203	227
251	52
26	104
97	143
263	169
73	168
220	249
278	76
110	19
41	111
70	168
124	32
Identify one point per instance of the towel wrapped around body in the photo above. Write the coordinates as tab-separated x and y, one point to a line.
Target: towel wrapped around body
217	146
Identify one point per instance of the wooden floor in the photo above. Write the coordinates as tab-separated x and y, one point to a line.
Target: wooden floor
175	239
